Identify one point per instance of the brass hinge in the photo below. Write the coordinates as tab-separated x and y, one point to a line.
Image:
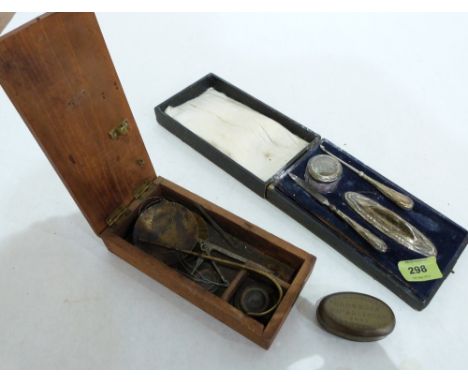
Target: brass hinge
116	215
142	189
122	211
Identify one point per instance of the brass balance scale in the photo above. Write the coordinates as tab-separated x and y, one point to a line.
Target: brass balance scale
178	236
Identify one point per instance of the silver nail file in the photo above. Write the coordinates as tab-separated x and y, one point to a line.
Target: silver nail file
367	235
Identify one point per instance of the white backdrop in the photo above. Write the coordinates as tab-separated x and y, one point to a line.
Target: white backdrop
390	89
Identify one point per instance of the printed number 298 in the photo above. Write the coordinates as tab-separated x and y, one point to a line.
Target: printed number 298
417	269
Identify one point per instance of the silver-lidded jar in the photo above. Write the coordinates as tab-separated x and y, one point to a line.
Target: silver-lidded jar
323	173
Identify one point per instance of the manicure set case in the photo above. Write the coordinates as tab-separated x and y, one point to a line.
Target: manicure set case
448	237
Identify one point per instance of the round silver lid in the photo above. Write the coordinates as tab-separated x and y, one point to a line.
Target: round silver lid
324	168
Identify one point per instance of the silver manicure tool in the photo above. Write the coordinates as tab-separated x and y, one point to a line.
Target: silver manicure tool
398	198
391	224
367	235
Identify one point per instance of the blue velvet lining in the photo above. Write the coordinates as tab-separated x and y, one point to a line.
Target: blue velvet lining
448	237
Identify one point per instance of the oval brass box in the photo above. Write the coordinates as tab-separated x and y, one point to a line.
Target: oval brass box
355	316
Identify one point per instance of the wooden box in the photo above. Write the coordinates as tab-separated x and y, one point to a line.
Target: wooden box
59	75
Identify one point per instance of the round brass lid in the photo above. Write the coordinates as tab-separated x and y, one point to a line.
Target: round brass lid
355	316
324	168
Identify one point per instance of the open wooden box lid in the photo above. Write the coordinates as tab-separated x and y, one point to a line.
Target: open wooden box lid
60	77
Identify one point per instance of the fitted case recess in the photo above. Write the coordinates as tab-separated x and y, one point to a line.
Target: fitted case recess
58	73
449	238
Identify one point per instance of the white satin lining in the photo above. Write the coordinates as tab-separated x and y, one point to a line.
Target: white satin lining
256	142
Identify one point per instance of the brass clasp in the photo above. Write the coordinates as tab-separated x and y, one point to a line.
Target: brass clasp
116	215
121	129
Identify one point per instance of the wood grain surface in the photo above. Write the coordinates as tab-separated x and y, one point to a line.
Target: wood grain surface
5	18
58	73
